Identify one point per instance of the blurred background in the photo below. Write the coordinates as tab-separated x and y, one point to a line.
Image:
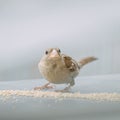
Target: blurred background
79	28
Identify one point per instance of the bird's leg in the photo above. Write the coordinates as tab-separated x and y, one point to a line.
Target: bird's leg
66	89
46	86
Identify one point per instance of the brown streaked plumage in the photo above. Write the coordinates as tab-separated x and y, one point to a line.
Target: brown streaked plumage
59	68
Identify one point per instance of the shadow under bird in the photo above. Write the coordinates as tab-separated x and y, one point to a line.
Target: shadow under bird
58	68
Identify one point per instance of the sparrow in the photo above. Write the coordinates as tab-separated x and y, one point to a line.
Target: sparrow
58	68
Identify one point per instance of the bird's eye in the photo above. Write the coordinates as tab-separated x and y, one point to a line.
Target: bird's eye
46	52
59	51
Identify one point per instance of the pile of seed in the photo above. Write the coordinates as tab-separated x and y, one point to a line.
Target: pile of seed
57	95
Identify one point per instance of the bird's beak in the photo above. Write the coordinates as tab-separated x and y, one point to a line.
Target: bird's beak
54	54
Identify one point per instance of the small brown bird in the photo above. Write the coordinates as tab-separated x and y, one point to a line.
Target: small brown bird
59	68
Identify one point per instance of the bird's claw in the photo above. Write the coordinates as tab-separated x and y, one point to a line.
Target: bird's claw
67	89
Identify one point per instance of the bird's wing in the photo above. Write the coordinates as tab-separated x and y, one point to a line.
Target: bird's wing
69	63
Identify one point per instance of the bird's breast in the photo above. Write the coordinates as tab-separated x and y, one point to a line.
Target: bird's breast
55	73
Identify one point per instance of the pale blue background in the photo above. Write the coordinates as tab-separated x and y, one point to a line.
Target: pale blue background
79	27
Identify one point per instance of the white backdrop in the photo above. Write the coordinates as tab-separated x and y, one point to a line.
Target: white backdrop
80	28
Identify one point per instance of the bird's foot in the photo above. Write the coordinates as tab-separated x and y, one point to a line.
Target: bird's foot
67	89
46	86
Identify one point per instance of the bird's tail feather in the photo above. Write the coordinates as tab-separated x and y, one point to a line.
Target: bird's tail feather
86	60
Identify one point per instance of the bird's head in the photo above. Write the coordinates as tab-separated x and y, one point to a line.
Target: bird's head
53	54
